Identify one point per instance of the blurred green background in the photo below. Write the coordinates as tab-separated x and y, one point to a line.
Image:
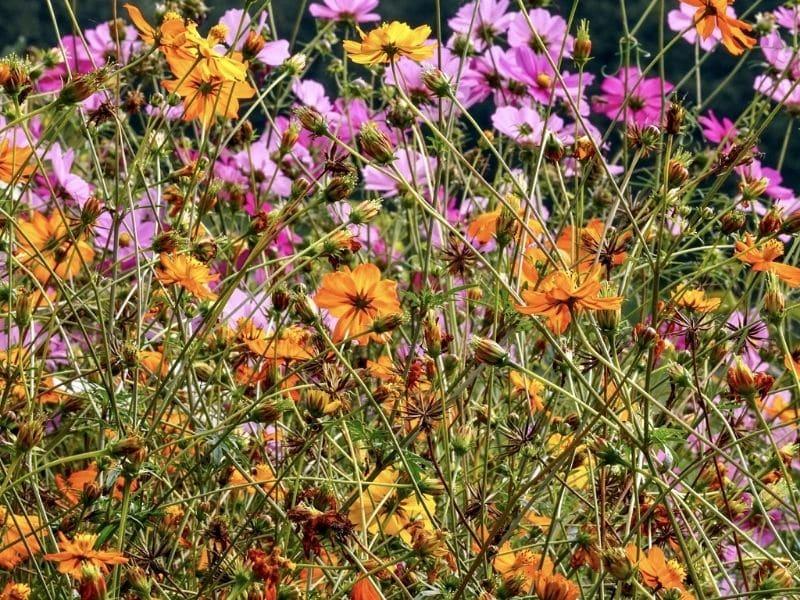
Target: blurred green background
31	23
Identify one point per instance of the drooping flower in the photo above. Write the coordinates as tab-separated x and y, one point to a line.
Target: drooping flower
357	11
206	94
49	245
79	552
357	298
187	272
763	258
388	42
563	292
713	15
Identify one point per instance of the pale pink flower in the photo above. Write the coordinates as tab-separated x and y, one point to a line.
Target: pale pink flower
552	30
482	21
357	11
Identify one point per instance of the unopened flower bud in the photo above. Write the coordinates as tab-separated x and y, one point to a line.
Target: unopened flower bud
29	435
131	448
752	189
488	352
741	379
432	334
305	308
365	212
296	63
553	148
300	188
676	115
617	563
266	412
608	319
732	222
289	137
77	89
311	120
253	44
582	49
774	302
437	82
770	223
677	172
23	311
375	144
791	224
340	188
584	148
386	323
678	375
280	299
92	582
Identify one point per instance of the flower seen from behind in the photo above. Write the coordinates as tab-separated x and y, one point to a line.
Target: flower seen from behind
388	42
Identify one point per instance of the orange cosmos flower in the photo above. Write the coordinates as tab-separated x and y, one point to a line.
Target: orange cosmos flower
387	43
73	486
554	587
657	572
187	272
46	246
713	14
696	300
763	259
17	538
80	552
364	589
14	162
356	298
563	292
15	591
168	34
207	94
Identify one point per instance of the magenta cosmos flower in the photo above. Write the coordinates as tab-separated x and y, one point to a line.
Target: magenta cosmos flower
552	30
482	21
631	98
357	11
525	125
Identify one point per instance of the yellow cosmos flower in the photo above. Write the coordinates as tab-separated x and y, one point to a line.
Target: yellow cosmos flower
387	43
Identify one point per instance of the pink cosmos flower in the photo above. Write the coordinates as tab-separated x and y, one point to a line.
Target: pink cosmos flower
526	66
416	169
482	21
239	23
779	55
788	17
525	125
783	91
357	11
631	98
552	30
716	130
485	78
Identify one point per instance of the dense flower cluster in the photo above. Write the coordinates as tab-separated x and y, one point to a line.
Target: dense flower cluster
472	314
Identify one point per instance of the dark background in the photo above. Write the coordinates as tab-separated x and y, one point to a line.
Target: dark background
24	24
